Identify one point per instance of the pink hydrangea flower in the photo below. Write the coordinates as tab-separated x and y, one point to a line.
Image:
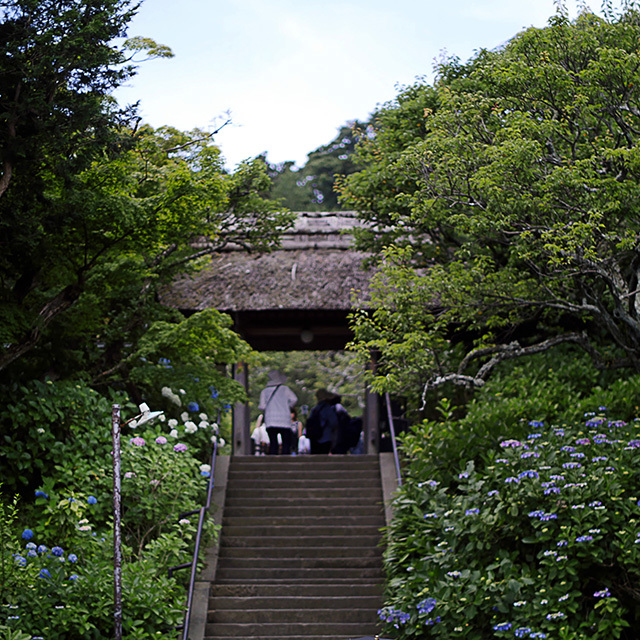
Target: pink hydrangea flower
161	440
138	441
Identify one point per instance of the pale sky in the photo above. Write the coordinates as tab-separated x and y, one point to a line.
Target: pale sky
291	72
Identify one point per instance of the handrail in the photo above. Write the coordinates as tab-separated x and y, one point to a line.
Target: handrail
196	552
392	431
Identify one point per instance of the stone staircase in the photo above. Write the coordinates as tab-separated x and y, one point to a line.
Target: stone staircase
300	555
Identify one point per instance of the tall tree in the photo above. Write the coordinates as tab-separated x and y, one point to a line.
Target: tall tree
312	187
94	210
507	206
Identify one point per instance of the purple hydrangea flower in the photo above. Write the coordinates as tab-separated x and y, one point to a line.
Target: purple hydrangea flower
180	447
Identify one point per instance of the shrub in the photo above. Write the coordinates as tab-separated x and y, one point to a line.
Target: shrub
542	540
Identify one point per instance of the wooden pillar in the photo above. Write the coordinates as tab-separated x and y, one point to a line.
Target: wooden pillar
371	416
241	415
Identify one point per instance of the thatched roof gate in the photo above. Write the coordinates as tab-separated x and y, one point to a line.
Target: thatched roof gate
295	298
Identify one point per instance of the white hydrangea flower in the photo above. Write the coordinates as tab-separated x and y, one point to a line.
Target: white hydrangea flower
221	442
173	433
190	427
172	423
204	417
168	393
184	416
205	467
203	425
213	439
182	391
215	428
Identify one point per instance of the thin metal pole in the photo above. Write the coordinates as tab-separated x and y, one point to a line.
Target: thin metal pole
393	439
117	541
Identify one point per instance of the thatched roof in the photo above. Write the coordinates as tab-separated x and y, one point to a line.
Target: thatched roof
316	268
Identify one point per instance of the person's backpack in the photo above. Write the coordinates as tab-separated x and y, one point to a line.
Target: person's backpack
313	426
323	415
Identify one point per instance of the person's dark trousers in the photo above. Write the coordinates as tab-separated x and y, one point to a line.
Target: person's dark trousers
285	434
320	447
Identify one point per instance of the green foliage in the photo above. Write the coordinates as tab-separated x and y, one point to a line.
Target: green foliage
313	187
49	424
460	428
56	552
538	540
502	201
91	242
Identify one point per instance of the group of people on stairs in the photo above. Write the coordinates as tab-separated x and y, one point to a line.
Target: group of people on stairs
328	429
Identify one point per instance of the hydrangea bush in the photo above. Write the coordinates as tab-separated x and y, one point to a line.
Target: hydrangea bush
539	539
56	549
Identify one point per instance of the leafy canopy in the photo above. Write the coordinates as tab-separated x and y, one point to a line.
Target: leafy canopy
502	204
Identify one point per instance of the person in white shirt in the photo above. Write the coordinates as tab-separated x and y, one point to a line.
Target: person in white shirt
276	401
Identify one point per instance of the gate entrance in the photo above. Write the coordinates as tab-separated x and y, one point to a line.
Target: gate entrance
296	298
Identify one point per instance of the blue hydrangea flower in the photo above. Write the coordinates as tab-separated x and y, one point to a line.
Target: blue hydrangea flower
44	573
42	549
605	593
27	534
472	512
92	500
427	605
522	632
20	560
502	626
32	553
193	406
72	557
57	551
74	576
41	494
558	615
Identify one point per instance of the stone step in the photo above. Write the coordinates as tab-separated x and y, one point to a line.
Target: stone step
305	462
291	552
225	603
276	590
244	529
265	616
358	539
262	564
283	630
250	491
304	497
304	524
313	575
282	637
306	511
245	481
358	476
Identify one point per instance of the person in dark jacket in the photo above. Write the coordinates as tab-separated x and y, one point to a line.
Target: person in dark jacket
322	424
